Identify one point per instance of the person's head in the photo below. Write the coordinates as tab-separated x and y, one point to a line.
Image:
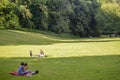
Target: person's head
22	63
25	64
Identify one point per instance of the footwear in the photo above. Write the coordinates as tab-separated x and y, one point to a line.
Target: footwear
36	71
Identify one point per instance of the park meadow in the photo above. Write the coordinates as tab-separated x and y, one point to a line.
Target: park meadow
81	39
68	59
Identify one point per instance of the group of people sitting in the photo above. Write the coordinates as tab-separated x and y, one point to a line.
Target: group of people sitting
41	54
23	70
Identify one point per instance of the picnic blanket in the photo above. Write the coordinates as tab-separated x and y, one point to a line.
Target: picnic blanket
15	73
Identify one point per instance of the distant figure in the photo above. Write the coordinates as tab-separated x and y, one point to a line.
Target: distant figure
42	53
31	53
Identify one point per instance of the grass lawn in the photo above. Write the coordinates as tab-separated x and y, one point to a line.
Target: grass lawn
70	68
68	59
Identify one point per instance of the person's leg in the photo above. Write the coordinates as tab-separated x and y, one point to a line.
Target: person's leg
29	72
36	72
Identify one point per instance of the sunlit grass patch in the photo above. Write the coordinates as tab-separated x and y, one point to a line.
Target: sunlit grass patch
63	49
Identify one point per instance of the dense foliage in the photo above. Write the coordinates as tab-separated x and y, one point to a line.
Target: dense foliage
82	18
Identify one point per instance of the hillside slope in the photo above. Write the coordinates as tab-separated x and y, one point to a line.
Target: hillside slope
15	43
14	37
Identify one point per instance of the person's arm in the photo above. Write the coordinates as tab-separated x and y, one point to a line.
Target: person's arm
25	68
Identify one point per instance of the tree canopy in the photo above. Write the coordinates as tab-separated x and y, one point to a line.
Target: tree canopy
82	18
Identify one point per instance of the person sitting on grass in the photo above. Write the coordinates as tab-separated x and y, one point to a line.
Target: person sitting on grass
42	53
23	70
31	53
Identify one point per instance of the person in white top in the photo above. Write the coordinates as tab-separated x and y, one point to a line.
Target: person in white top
42	53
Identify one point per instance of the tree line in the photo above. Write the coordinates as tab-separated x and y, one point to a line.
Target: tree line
82	18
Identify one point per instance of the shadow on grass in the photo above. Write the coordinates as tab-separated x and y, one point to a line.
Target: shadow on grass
50	42
72	68
104	57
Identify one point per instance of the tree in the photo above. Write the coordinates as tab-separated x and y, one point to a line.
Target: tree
8	15
40	16
109	18
82	20
58	16
25	17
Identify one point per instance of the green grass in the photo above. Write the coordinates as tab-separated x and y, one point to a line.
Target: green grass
68	59
71	68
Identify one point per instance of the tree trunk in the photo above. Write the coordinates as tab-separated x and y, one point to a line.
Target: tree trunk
110	35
